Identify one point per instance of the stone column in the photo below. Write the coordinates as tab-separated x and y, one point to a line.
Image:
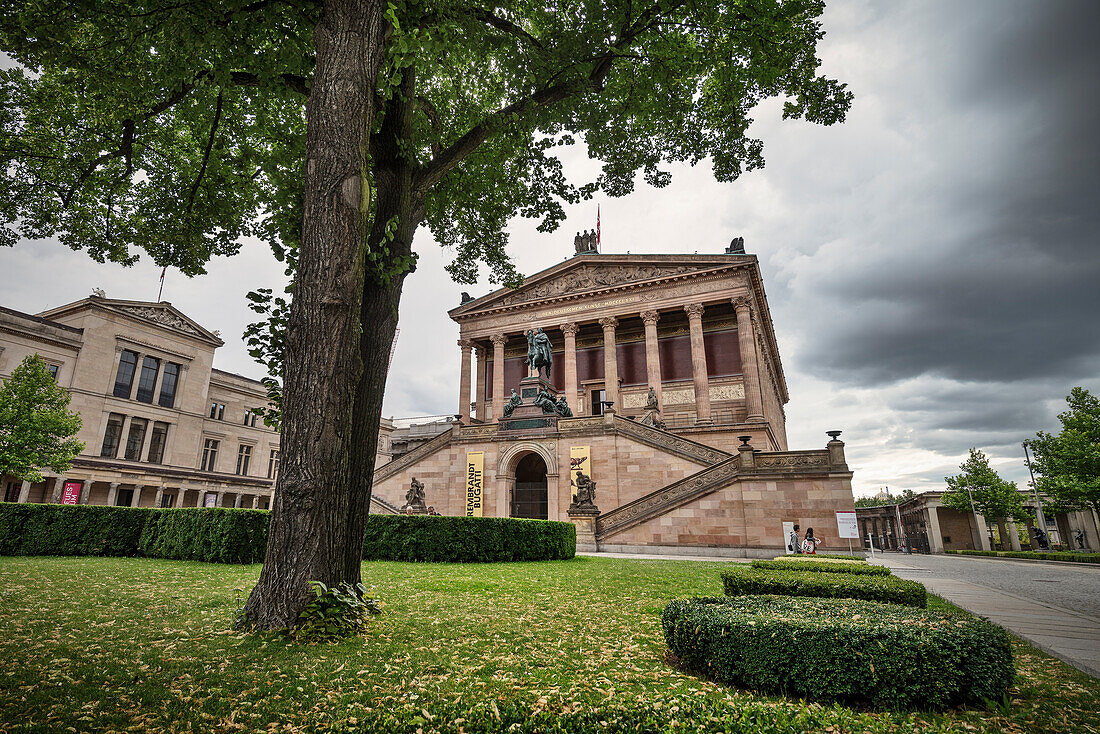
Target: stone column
498	340
1013	535
239	500
202	497
466	348
58	486
24	493
135	501
221	500
112	494
570	330
746	340
610	362
255	501
653	356
85	490
982	532
479	395
699	362
159	498
935	535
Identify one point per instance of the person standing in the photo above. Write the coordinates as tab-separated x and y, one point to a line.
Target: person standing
794	544
810	544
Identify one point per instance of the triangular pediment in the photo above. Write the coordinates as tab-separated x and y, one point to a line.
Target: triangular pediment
594	273
162	314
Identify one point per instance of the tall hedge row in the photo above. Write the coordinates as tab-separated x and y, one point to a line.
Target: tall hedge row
886	655
792	563
223	535
444	539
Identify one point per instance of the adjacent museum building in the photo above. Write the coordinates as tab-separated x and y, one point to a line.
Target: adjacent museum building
161	426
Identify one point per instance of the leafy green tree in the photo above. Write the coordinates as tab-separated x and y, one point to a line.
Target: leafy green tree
335	129
995	498
1068	463
37	428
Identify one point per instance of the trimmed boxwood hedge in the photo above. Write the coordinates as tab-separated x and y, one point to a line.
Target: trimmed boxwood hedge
224	535
447	539
835	556
1066	556
845	650
214	534
741	581
823	566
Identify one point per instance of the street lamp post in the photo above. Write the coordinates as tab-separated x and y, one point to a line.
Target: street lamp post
977	522
1039	518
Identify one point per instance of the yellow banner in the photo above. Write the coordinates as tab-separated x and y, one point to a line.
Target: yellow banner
580	459
475	482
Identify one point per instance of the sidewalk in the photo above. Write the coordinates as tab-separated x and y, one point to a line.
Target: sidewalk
1071	636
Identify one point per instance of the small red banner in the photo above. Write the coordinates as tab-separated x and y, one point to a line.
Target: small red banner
70	495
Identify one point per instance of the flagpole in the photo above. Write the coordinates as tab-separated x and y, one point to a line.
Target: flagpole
597	228
161	291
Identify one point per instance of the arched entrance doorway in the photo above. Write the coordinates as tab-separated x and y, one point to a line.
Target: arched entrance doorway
529	497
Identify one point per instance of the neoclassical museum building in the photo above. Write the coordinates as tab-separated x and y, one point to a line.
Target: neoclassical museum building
675	390
161	426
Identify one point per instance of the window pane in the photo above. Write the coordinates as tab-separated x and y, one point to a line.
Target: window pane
124	380
168	385
209	454
112	436
221	412
53	368
273	464
244	456
149	368
135	439
157	442
247	416
213	410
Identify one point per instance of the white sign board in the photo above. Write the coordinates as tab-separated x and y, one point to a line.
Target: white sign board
846	525
788	528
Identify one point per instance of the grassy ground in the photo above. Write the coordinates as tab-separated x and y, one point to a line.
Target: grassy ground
95	644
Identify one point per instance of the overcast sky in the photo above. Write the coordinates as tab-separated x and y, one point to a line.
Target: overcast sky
932	264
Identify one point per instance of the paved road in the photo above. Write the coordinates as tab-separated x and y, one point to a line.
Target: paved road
1073	587
1054	606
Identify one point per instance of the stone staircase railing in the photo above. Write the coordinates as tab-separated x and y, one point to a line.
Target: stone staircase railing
685	447
403	462
667	498
386	507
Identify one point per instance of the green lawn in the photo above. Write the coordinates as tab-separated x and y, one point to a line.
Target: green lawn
94	644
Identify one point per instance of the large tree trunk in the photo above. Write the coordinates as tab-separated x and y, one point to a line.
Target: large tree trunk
316	505
395	202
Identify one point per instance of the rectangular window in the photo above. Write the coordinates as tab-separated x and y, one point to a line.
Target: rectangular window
157	442
209	454
112	436
598	396
54	369
273	464
136	439
168	384
217	411
150	366
124	380
11	492
244	456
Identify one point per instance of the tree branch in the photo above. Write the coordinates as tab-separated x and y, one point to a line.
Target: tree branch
445	161
503	24
205	154
293	82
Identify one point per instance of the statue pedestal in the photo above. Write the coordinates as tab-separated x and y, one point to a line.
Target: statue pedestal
528	415
584	518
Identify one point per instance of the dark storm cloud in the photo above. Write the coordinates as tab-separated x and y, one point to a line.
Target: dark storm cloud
994	285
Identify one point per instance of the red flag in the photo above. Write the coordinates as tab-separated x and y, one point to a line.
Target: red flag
597	228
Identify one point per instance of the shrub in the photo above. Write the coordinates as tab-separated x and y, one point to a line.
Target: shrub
211	534
822	566
741	581
845	650
445	539
834	556
335	613
70	530
1069	556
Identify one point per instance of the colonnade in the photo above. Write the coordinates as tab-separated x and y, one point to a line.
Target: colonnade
750	363
55	495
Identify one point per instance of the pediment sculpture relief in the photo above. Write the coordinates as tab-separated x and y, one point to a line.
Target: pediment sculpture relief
590	277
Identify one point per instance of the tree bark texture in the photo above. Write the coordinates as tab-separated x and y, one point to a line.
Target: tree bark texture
316	504
395	202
